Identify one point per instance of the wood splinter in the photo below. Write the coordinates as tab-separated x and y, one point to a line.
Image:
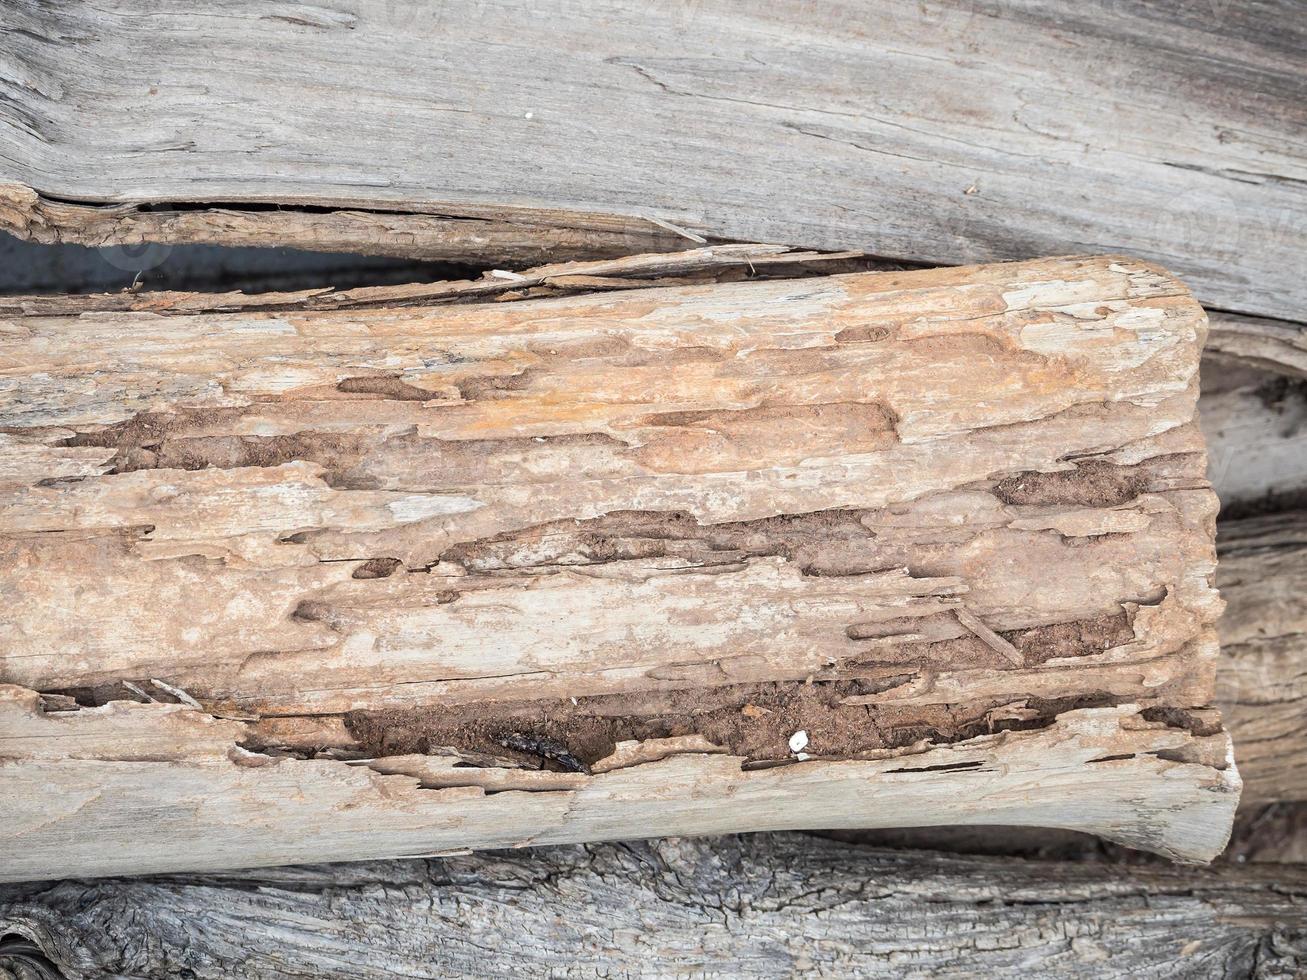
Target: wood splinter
991	639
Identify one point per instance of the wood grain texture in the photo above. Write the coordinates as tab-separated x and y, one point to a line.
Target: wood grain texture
941	132
950	524
1271	345
1262	682
516	238
1255	426
759	906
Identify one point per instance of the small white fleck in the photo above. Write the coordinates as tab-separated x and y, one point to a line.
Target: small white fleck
574	701
539	438
802	756
530	115
799	741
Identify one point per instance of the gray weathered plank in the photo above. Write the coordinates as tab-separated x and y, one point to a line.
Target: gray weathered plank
943	132
1255	424
1262	678
1271	345
766	905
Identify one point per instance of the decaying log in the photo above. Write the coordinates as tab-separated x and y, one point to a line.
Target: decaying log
760	906
289	584
946	131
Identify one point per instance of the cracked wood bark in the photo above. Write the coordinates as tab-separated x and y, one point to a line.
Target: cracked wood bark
376	551
764	905
940	132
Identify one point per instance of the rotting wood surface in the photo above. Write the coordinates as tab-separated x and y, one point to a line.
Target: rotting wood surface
951	524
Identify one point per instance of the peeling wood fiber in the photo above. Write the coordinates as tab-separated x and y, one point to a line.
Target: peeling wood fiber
330	571
507	236
943	132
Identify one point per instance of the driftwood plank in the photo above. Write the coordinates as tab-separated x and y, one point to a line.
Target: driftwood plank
942	132
928	546
766	905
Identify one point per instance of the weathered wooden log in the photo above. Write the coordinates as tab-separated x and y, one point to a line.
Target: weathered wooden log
1271	345
1255	424
758	906
1262	681
948	131
864	550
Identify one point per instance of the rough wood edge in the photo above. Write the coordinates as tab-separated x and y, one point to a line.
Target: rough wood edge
507	235
573	250
1107	771
1271	345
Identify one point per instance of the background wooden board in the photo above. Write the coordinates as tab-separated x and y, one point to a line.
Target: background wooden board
766	905
943	132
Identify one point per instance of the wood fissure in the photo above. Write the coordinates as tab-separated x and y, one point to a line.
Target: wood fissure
753	721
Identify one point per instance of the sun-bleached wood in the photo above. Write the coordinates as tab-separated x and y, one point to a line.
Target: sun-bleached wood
1255	425
1262	680
952	524
1271	345
944	132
